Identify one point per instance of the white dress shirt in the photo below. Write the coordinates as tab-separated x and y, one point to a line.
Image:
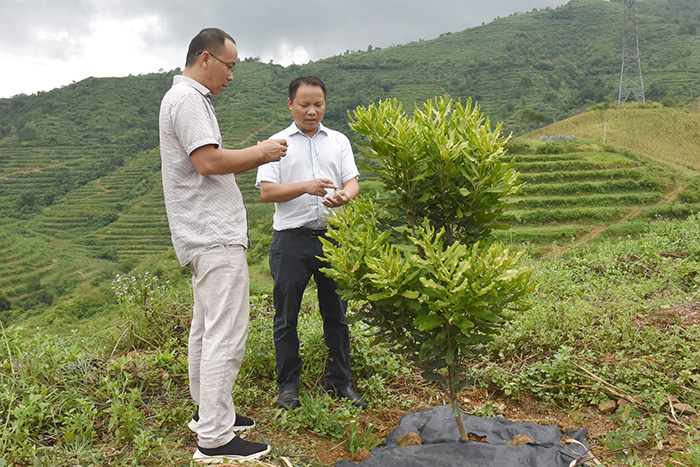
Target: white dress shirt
328	154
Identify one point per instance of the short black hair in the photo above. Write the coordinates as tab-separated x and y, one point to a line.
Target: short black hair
310	80
209	39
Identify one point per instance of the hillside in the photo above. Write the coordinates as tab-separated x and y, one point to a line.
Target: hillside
80	195
530	69
671	136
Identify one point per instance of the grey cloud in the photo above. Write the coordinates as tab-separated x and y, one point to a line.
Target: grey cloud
51	30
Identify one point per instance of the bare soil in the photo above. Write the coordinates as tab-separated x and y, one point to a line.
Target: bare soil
310	449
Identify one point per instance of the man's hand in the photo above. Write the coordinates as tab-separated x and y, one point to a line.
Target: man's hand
319	186
341	197
273	149
338	199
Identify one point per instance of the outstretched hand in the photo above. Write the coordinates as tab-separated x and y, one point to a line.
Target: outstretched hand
273	149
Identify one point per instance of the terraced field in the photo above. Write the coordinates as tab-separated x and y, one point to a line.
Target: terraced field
571	194
110	224
106	225
34	177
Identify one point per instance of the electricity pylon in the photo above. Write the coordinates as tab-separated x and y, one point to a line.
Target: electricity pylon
631	82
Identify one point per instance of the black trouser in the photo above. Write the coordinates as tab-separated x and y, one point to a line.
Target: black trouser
293	260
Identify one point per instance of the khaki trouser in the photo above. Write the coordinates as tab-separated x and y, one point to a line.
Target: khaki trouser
217	338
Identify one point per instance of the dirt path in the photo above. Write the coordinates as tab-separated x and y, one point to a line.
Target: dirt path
550	252
249	138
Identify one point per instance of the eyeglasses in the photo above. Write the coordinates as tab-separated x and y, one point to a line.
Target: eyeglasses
231	68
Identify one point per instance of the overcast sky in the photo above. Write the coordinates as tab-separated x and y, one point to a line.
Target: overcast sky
45	44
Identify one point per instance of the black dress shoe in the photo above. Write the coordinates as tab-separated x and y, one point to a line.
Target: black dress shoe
288	399
346	391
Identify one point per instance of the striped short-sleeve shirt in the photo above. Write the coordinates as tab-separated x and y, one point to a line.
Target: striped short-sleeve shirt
203	211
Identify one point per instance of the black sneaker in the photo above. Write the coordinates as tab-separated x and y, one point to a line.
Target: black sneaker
237	450
242	423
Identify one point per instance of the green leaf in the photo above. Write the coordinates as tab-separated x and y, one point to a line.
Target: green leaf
428	322
410	294
450	356
432	376
466	192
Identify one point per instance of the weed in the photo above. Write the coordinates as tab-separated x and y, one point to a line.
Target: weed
318	413
485	411
628	436
690	458
364	438
153	312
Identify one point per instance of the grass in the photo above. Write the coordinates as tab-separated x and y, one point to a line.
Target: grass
616	319
120	397
667	135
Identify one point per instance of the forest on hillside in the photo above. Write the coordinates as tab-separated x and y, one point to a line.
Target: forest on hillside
80	197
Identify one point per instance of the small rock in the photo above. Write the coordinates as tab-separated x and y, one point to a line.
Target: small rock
684	409
520	440
607	406
629	400
409	439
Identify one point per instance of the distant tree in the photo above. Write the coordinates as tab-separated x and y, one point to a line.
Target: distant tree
532	118
28	132
27	202
689	28
5	130
5	303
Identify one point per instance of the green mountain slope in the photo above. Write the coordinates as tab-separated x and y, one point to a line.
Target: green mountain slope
530	69
671	136
80	194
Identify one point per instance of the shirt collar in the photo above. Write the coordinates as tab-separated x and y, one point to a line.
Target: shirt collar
202	89
294	129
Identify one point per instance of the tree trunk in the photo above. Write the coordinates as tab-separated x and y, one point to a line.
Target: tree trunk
460	423
454	398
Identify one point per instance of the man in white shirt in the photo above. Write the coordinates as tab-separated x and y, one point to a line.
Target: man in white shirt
317	175
209	227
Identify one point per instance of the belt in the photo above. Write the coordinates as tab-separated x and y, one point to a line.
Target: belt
307	232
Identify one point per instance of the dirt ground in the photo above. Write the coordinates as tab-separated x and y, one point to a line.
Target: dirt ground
313	450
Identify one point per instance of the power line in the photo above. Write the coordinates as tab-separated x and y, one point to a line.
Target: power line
631	82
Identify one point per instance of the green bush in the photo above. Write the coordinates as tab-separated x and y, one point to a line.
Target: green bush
424	265
154	313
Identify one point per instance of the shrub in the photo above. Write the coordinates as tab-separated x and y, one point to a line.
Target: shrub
425	266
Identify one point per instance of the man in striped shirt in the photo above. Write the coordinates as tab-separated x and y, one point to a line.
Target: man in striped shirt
209	227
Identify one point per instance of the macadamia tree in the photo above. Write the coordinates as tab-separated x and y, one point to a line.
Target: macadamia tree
420	256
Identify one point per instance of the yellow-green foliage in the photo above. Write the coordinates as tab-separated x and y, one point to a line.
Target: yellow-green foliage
667	135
